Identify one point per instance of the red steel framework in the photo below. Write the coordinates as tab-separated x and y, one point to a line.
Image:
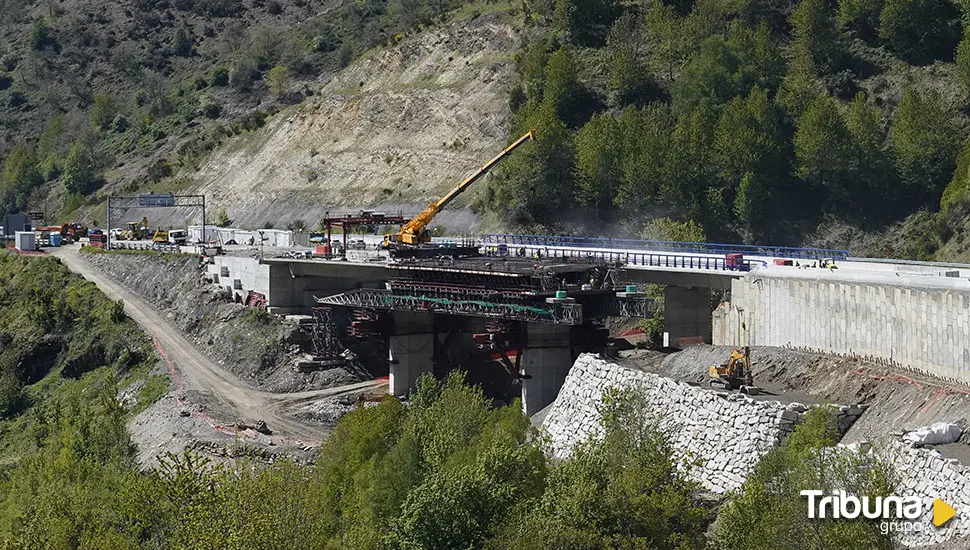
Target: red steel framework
365	217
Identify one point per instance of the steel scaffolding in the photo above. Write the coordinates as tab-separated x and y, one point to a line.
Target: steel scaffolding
458	304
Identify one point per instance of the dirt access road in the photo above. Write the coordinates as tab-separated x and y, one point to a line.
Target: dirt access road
244	402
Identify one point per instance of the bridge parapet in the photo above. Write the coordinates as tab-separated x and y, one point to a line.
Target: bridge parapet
665	246
644	259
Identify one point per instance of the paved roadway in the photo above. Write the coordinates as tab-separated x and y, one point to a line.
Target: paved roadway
246	403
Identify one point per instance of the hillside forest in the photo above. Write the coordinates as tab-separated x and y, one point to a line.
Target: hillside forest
746	121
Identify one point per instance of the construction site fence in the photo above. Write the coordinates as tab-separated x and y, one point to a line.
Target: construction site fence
646	259
665	246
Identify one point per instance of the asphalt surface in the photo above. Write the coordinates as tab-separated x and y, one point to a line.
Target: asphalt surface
245	403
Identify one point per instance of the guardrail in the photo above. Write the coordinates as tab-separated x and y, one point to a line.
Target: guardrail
646	259
142	245
665	246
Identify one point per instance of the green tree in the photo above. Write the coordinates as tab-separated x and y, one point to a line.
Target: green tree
823	148
862	16
769	512
713	76
563	92
103	111
751	206
278	79
79	173
598	171
925	142
957	192
691	165
667	229
645	135
20	177
667	40
869	161
222	218
815	30
585	22
535	185
749	138
903	26
628	78
800	86
622	491
182	42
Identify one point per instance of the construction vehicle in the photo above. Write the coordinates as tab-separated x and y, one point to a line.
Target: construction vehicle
135	231
160	236
414	233
736	373
178	236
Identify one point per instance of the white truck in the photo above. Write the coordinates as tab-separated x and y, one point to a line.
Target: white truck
178	236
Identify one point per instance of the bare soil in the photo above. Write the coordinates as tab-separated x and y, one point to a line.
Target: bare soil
208	408
394	130
257	347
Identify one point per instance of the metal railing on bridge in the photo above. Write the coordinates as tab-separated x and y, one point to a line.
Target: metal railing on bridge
665	246
646	259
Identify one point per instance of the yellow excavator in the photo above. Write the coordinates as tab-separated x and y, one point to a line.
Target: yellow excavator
415	231
736	373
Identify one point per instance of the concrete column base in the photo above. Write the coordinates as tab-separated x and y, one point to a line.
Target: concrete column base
546	360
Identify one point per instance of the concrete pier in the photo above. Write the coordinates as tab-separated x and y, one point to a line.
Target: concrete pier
411	350
546	361
687	315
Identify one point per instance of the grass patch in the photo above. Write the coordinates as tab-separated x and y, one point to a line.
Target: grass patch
156	386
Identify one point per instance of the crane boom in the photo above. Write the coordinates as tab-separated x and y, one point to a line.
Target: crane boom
414	231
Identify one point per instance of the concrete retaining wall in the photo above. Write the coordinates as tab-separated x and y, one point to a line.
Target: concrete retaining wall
924	329
725	435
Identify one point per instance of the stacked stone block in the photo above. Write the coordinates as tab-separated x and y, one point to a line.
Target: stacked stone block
928	475
724	434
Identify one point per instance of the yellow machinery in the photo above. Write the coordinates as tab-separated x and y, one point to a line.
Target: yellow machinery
736	374
415	231
161	236
135	231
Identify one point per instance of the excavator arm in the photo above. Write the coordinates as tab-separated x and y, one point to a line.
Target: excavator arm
414	232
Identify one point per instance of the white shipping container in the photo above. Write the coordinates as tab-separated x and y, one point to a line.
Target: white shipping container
25	240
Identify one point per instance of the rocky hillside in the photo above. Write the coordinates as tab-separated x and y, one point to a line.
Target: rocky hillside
393	130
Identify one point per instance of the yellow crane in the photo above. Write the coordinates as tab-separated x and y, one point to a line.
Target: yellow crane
415	231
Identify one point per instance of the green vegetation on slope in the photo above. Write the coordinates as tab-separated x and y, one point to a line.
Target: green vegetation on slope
768	511
446	471
756	120
95	92
62	343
